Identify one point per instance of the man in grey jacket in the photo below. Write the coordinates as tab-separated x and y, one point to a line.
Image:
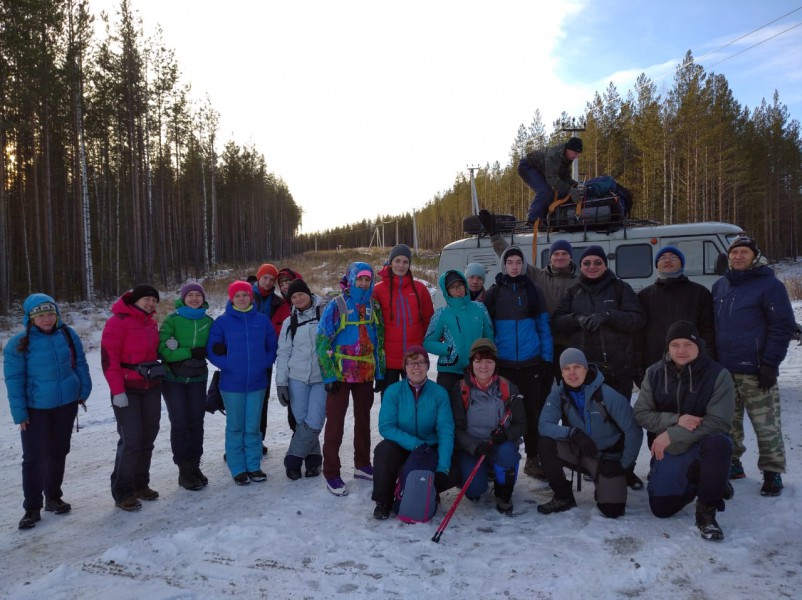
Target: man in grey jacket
548	173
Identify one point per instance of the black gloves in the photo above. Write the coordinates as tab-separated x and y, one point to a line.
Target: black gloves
220	348
484	448
442	482
283	393
488	221
767	377
586	445
199	352
594	321
498	436
333	387
611	468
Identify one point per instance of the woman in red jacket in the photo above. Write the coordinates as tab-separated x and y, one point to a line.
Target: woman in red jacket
130	341
407	309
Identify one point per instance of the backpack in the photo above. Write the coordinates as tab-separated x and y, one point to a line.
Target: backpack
415	493
294	324
465	391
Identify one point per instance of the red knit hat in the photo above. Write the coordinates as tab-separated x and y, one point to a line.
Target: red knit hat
240	286
266	269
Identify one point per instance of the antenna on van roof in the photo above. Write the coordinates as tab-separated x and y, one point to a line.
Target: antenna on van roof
474	198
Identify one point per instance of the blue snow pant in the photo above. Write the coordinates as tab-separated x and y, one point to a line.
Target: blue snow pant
503	458
186	403
243	438
544	193
701	471
45	445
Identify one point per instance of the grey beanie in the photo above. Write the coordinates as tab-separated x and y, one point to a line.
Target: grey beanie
400	250
573	356
476	270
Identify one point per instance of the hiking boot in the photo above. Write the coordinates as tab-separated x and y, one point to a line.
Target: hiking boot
504	506
772	484
242	479
129	504
533	468
293	474
30	519
293	464
146	494
382	511
257	476
633	481
557	504
57	506
365	473
706	522
198	473
313	465
737	470
187	478
337	486
313	471
729	492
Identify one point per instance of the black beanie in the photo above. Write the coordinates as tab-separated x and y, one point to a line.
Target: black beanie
744	240
684	330
574	144
144	290
595	251
298	285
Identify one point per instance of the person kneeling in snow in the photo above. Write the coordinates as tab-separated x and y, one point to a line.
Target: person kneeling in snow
686	404
489	421
598	436
415	412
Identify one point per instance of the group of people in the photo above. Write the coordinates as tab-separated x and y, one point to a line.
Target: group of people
548	356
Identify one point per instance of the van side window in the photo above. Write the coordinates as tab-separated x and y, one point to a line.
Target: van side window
633	261
711	257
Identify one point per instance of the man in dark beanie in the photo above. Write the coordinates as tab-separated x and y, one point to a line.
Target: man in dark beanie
754	324
548	173
672	297
686	405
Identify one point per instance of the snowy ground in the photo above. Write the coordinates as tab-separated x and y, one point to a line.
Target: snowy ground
285	539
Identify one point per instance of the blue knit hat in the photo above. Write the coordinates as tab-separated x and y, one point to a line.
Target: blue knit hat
561	245
476	270
595	251
673	250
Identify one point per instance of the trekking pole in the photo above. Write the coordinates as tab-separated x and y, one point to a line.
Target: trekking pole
439	533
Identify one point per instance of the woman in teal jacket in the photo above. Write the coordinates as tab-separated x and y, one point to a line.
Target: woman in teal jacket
47	377
454	328
182	345
415	412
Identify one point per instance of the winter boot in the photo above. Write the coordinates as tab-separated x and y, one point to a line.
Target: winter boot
293	466
57	506
314	463
198	473
772	484
706	522
382	511
558	503
503	492
187	478
29	519
533	468
736	470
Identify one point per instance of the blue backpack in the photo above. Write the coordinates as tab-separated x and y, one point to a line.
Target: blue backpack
415	493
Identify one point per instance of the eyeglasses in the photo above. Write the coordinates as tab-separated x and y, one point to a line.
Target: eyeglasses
418	364
592	263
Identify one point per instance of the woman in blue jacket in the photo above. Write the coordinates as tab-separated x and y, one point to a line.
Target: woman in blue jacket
242	344
415	412
47	377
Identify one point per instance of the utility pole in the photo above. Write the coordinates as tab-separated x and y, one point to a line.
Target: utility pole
573	126
474	198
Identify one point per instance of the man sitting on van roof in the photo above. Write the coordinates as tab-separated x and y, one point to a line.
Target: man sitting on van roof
549	171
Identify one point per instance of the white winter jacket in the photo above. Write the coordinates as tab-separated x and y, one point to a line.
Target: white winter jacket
297	358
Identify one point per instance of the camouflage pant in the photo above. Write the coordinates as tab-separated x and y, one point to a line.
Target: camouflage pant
763	409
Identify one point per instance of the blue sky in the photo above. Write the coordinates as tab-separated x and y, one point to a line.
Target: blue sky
368	107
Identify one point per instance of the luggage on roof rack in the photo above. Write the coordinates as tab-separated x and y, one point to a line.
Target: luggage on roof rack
504	224
597	214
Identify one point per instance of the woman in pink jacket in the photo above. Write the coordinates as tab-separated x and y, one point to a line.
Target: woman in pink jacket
129	343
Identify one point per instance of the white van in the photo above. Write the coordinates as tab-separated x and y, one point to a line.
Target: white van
630	250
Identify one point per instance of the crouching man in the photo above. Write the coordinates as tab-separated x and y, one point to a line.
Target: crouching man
598	436
686	404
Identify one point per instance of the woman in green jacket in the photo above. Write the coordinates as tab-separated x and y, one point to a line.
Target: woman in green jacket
182	345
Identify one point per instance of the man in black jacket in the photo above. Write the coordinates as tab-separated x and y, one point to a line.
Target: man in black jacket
672	297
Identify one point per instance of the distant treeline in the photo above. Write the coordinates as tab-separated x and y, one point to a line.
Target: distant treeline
694	154
109	171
